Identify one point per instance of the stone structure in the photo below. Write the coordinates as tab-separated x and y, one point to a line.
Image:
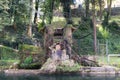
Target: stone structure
55	35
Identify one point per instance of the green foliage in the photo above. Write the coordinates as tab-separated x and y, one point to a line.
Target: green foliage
3	63
31	62
8	53
114	46
30	66
19	14
4	15
114	27
40	25
28	63
85	27
114	61
30	49
28	60
105	34
83	37
66	68
48	10
12	11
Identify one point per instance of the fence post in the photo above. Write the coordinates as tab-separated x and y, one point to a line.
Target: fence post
98	48
106	47
107	53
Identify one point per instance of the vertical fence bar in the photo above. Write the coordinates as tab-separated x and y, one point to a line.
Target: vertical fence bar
98	48
107	53
106	47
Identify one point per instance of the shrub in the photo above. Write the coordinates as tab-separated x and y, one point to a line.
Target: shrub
67	68
28	60
29	49
35	56
114	27
8	53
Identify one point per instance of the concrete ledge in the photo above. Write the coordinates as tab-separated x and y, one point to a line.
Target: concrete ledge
108	70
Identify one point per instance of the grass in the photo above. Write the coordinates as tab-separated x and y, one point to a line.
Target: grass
116	19
114	61
10	61
5	64
102	60
8	53
60	22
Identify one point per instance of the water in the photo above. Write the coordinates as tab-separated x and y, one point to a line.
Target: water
58	77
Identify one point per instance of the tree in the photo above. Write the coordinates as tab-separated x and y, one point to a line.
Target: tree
67	10
4	15
108	12
48	7
101	6
94	25
87	6
109	3
29	30
36	10
18	14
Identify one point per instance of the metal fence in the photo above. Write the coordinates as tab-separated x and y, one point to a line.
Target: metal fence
104	47
111	46
83	46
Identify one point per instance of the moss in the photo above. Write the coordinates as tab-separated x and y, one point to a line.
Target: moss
32	57
31	49
65	68
5	64
8	53
30	66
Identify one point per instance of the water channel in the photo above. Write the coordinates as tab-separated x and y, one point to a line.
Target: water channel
59	77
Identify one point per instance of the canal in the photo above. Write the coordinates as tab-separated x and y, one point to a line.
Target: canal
59	77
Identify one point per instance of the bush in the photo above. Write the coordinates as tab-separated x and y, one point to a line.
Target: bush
28	60
3	63
30	66
8	53
25	48
35	56
66	68
114	27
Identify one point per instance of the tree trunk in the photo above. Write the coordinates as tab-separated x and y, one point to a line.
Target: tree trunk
67	11
29	29
36	11
48	41
109	3
100	6
51	11
43	17
87	2
68	39
94	25
109	7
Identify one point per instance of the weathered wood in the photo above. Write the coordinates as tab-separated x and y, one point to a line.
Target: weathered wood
48	40
85	61
68	30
